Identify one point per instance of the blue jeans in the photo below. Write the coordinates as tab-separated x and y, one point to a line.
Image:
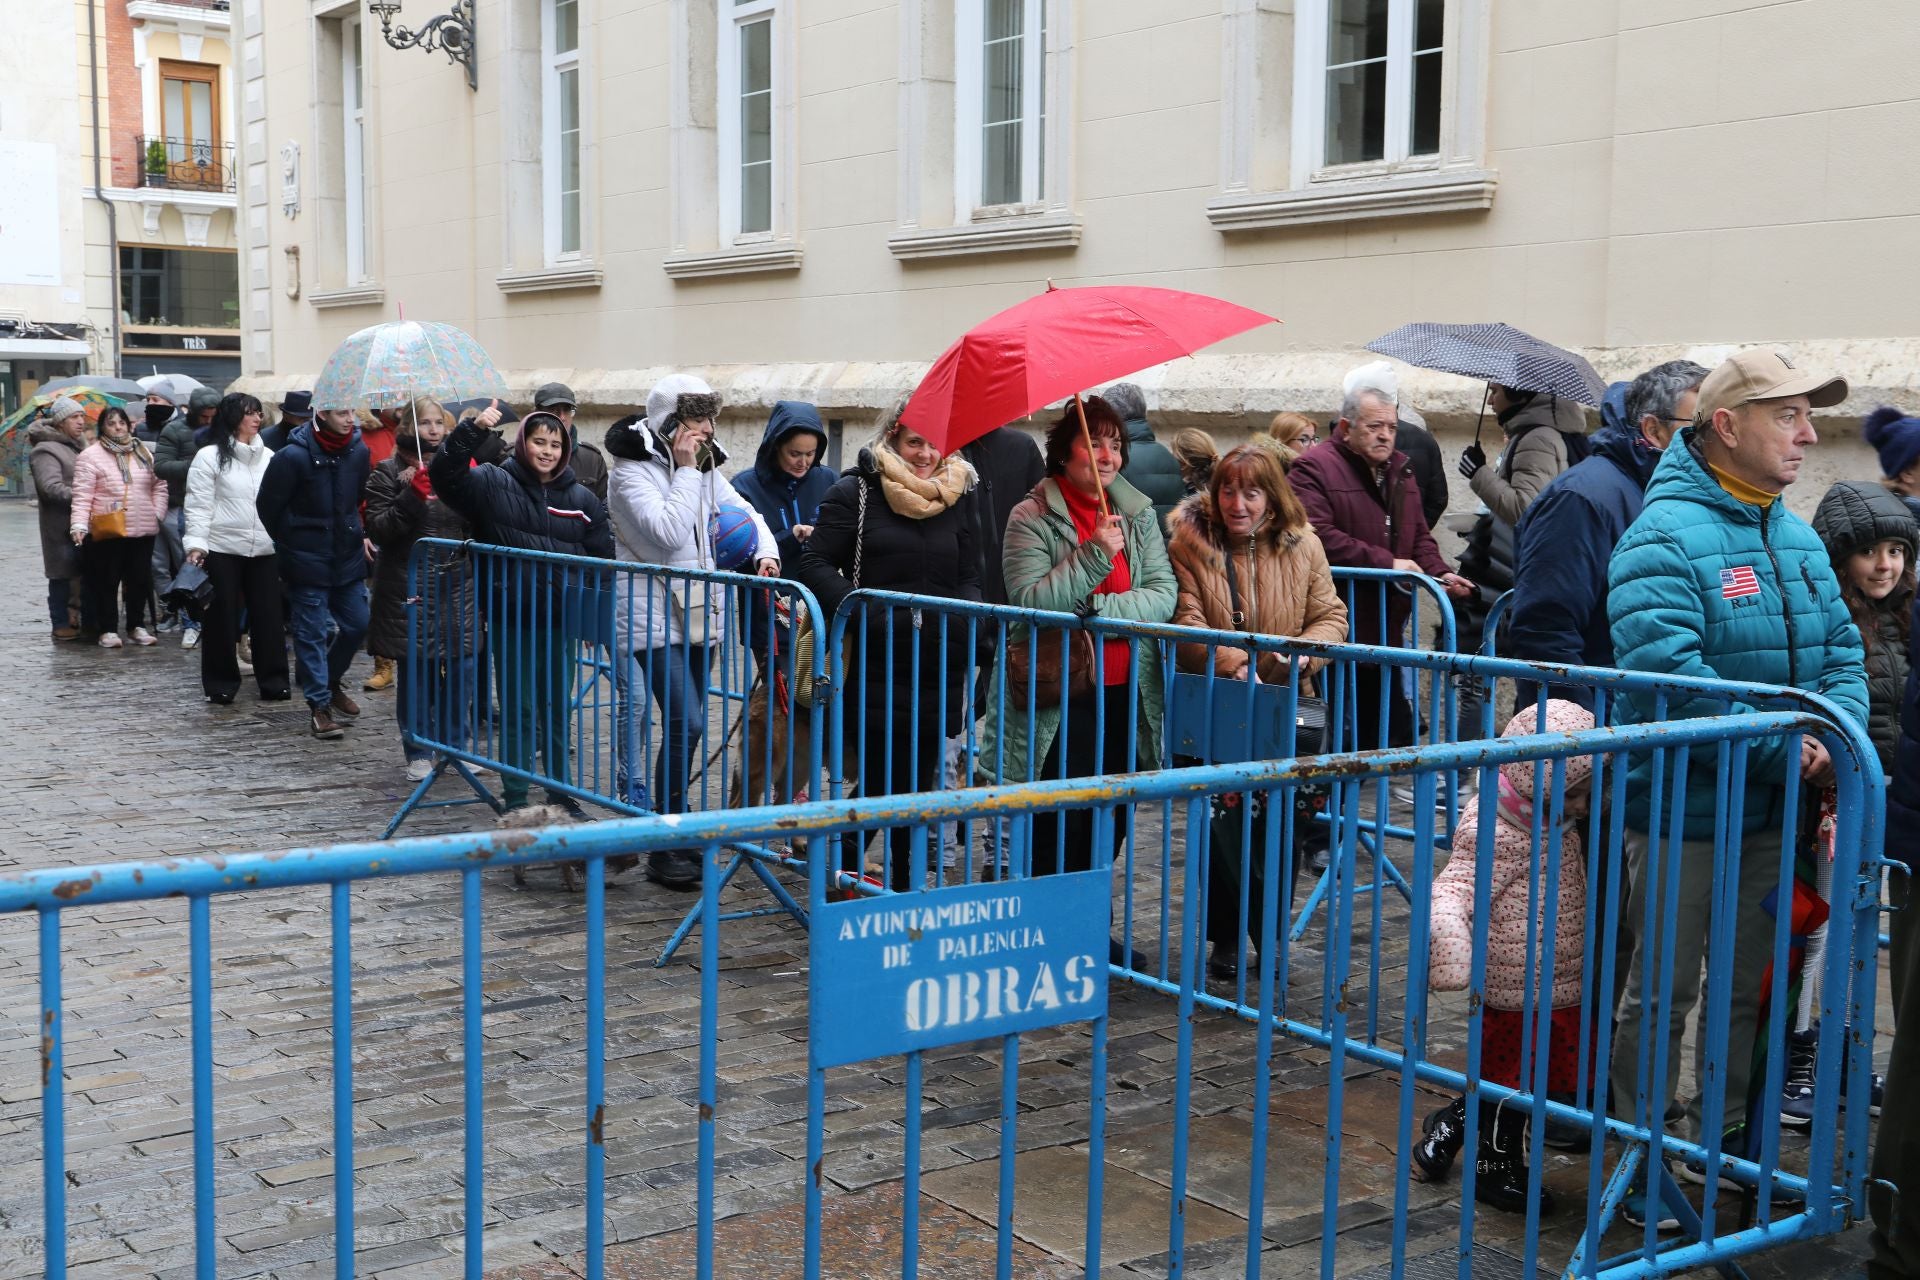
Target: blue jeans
449	689
328	625
677	677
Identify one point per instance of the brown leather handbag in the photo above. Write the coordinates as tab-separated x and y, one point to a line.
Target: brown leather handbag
104	525
1035	660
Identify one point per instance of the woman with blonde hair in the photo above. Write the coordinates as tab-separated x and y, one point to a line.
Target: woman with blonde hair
1296	431
1247	560
901	519
1196	452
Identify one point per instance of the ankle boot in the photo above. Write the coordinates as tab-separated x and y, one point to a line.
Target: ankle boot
1500	1170
382	677
1446	1133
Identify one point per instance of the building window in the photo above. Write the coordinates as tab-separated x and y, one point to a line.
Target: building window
1338	109
560	119
353	98
180	288
189	111
1383	62
1011	93
746	119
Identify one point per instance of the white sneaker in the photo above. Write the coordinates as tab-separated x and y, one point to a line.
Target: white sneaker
417	770
109	640
142	636
246	668
190	637
245	650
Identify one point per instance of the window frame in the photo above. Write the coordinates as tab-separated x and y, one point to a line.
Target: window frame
735	18
353	153
187	72
970	88
553	65
1313	20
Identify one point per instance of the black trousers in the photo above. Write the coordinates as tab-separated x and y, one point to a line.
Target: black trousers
909	764
1372	685
1064	841
243	587
116	570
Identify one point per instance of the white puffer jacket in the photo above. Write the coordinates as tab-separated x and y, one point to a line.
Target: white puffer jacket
221	515
660	516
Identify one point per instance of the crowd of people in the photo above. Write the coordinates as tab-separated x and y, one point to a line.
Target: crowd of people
1658	543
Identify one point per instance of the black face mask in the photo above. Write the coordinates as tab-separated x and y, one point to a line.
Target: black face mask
157	415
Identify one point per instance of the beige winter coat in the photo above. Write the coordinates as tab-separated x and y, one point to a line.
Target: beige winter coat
1286	589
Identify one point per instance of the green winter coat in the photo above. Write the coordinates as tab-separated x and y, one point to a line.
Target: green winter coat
1048	567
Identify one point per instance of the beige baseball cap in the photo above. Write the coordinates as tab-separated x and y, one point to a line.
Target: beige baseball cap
1763	373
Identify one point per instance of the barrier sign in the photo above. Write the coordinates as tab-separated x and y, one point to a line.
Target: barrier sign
919	970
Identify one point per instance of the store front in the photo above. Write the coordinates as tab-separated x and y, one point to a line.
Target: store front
182	313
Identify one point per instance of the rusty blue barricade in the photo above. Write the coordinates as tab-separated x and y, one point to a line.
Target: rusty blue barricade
964	969
630	688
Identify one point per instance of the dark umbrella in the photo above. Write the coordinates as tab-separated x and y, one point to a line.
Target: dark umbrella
1494	353
124	388
458	407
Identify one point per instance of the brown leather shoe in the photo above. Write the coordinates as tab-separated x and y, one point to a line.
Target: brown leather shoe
66	633
382	677
324	725
344	708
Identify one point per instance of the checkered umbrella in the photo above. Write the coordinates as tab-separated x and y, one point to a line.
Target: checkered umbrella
1494	353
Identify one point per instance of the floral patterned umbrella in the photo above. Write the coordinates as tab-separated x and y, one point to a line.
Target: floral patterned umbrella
387	365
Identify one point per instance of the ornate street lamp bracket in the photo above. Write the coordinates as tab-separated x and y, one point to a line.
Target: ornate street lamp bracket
452	33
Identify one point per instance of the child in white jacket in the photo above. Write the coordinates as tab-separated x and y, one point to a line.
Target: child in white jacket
663	491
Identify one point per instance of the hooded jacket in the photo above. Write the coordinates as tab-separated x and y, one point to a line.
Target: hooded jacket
51	454
1153	470
509	506
310	502
1565	544
1534	455
1513	879
1049	567
397	517
783	500
222	511
1704	585
1853	516
174	451
1286	589
1366	525
661	513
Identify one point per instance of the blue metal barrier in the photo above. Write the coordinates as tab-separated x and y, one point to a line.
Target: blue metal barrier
1423	1030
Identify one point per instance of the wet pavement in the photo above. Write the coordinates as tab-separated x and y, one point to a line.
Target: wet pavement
115	756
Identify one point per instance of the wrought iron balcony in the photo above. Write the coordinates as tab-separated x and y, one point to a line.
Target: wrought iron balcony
184	164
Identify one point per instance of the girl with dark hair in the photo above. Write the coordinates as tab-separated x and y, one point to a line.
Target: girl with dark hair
118	504
1247	560
225	536
1084	541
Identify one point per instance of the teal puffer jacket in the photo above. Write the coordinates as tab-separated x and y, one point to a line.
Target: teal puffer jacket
1681	603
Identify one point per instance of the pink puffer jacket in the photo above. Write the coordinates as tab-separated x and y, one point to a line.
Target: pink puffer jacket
1506	925
98	487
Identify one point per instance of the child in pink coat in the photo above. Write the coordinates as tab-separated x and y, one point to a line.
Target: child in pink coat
1517	885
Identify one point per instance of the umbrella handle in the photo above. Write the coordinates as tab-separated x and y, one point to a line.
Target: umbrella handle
1486	398
1086	437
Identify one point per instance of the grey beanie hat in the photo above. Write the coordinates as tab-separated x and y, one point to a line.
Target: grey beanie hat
1127	400
62	408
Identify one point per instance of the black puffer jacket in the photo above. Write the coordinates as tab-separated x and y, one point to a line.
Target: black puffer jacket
397	517
1887	666
508	506
1853	516
934	556
309	501
1008	464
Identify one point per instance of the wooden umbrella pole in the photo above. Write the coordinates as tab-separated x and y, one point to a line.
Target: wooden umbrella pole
1086	438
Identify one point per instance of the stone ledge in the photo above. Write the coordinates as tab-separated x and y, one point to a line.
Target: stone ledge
364	295
573	275
1441	191
1000	235
779	255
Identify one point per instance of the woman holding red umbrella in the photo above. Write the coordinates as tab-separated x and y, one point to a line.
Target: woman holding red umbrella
1084	541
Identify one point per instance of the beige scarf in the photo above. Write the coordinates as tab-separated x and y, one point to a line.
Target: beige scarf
914	498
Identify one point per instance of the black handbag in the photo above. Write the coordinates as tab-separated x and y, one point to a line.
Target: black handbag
190	588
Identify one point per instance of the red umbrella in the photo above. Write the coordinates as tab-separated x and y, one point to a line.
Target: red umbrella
1058	344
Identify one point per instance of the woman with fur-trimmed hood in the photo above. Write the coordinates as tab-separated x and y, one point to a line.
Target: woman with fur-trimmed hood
1246	559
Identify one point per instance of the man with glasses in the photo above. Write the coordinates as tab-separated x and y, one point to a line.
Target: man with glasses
1716	579
1360	494
1567	536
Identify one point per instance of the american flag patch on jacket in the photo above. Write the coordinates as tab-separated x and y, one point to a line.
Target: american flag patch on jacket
1735	583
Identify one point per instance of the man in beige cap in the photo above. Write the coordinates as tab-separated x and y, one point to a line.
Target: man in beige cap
1717	579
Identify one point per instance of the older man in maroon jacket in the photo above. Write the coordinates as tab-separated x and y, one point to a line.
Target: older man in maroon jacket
1360	493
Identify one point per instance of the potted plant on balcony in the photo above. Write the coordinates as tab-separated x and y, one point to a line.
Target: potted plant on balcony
156	163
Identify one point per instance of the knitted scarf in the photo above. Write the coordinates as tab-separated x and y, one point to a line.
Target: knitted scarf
124	454
917	499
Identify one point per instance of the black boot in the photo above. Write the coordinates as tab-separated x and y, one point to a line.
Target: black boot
1500	1172
1446	1132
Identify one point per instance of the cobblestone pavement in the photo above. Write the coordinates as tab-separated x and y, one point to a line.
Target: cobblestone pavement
114	756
